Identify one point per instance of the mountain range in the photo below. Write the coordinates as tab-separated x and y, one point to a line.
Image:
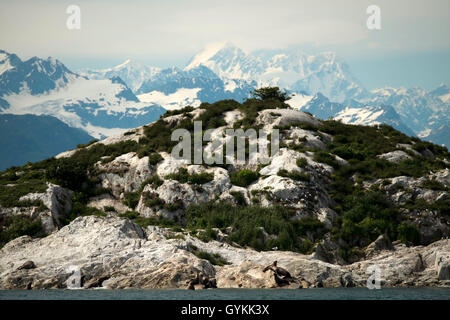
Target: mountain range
45	86
112	100
223	71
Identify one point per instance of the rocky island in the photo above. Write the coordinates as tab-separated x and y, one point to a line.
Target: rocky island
334	201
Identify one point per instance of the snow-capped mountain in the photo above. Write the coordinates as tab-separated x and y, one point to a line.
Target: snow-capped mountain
423	111
101	107
35	76
442	92
350	112
107	101
133	73
174	88
371	115
227	61
320	106
291	70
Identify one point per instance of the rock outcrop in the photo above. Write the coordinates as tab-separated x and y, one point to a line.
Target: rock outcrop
115	253
57	203
319	170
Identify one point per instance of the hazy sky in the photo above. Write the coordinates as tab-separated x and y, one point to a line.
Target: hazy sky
412	47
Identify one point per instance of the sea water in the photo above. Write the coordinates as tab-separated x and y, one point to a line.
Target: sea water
233	294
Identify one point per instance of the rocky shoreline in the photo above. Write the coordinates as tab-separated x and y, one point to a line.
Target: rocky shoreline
115	253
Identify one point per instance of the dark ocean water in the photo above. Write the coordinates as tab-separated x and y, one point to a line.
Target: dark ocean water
233	294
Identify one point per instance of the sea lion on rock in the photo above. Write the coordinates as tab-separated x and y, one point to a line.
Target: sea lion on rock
190	285
280	281
272	266
281	275
27	265
278	270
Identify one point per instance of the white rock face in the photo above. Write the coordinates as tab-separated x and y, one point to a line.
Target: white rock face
232	116
116	253
282	188
284	117
169	165
402	189
311	138
119	254
395	156
442	177
172	191
58	200
106	200
125	173
101	247
443	265
407	265
285	159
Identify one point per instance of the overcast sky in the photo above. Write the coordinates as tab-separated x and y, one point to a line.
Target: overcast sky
412	47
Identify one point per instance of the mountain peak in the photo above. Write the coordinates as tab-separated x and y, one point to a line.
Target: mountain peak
8	61
122	65
208	52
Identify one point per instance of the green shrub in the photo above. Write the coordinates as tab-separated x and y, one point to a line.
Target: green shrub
270	93
196	178
17	226
302	162
154	158
306	247
248	223
367	216
325	157
131	199
184	111
433	185
152	200
213	116
243	178
294	175
145	222
177	205
79	146
155	181
239	197
73	172
215	259
10	195
129	214
407	232
207	235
